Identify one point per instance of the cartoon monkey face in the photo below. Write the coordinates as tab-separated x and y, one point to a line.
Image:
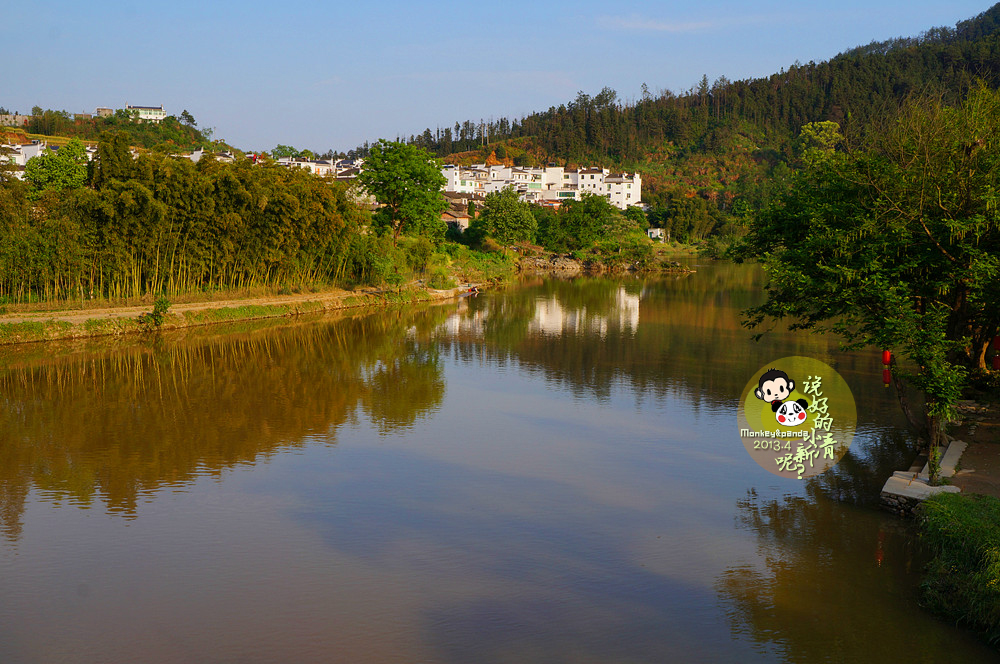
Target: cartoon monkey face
775	385
791	413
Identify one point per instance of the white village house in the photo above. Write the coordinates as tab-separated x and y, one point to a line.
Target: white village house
547	186
154	114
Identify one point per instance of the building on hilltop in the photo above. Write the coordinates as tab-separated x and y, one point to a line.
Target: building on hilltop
147	113
15	120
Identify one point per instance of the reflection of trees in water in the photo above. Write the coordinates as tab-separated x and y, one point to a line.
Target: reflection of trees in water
116	425
819	555
400	390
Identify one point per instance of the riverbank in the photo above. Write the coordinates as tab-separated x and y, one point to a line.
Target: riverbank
961	529
662	260
28	327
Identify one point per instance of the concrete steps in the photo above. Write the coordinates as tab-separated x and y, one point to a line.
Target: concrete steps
906	489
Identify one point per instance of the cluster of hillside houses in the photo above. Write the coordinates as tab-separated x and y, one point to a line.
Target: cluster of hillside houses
550	186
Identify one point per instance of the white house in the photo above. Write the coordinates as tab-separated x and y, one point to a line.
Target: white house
147	113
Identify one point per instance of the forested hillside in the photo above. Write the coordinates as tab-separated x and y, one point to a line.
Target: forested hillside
716	152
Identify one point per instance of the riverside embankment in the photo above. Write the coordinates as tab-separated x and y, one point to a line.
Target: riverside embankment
75	323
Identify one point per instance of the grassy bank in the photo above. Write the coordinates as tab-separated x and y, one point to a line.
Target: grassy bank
963	579
75	324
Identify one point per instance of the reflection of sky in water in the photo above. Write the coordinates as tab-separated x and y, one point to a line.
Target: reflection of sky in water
538	512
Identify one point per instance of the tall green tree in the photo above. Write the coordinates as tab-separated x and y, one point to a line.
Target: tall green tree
407	182
63	169
896	244
114	159
285	151
506	218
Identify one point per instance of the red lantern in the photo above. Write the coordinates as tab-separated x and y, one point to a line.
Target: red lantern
886	377
886	357
996	342
996	362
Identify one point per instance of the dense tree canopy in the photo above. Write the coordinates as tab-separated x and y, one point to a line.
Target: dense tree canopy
848	89
65	168
896	244
158	224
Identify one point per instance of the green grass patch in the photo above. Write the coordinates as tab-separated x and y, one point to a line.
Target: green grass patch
26	331
106	326
15	333
963	579
244	312
310	307
402	297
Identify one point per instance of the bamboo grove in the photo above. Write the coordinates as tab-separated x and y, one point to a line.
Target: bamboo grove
162	225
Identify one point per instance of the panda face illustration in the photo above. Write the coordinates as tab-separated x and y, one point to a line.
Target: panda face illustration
791	413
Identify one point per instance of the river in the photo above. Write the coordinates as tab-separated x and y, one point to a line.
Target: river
549	473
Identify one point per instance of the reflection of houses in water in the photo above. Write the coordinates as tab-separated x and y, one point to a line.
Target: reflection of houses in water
551	317
464	323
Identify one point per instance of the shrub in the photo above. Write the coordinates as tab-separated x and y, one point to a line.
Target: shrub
440	280
418	253
490	245
158	315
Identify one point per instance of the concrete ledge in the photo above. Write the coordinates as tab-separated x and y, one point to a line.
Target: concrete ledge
951	457
949	460
905	490
915	488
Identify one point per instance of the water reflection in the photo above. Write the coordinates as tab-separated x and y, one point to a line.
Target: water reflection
113	426
660	336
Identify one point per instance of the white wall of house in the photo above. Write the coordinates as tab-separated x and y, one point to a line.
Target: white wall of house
148	113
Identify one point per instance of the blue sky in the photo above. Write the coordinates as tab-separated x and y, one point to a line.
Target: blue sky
324	75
